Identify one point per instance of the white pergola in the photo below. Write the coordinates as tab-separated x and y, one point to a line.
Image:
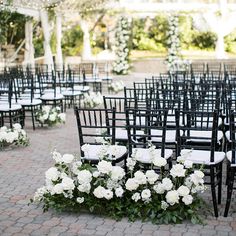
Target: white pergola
222	24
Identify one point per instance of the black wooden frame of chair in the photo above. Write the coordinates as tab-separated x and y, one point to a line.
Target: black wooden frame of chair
136	139
215	170
231	166
110	124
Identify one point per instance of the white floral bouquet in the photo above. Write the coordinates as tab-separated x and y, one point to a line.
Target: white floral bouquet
15	135
116	86
50	116
92	99
163	197
121	65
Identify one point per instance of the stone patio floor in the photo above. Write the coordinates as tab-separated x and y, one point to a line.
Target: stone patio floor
22	172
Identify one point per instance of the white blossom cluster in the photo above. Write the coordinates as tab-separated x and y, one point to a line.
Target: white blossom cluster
73	179
92	99
145	185
16	135
50	115
121	65
173	42
116	86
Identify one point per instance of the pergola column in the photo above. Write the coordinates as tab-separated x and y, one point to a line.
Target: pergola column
29	46
87	52
48	59
59	57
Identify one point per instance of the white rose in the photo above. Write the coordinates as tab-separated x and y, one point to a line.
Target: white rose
140	177
131	184
117	173
152	177
96	174
17	126
75	167
187	200
119	192
159	161
67	158
108	194
188	164
167	184
68	183
145	194
80	200
84	177
164	205
4	129
104	167
62	117
183	191
84	188
99	192
57	157
131	163
178	171
52	117
52	174
58	188
159	188
172	197
136	197
199	174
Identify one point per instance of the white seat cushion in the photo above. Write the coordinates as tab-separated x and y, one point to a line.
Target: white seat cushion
121	134
14	107
81	88
204	134
203	157
94	150
27	102
50	96
71	93
143	154
227	135
229	157
170	135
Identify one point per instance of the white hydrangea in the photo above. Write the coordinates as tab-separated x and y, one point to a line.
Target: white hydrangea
136	196
146	194
159	188
67	158
68	183
140	177
164	205
183	190
119	192
167	184
152	177
159	161
84	177
187	200
99	192
131	184
117	173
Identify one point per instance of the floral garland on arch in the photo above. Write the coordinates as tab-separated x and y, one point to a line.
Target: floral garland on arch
50	116
173	42
137	194
13	136
116	86
121	65
92	99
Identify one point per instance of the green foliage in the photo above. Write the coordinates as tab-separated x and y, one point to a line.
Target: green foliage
230	42
72	41
204	40
12	27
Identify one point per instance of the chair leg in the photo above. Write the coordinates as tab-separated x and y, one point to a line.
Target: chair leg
229	190
213	190
32	116
219	178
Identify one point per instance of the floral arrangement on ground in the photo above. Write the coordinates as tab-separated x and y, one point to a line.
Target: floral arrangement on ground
116	86
162	197
50	116
13	136
92	99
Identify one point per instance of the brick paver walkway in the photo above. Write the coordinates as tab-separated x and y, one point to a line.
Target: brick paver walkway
22	172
